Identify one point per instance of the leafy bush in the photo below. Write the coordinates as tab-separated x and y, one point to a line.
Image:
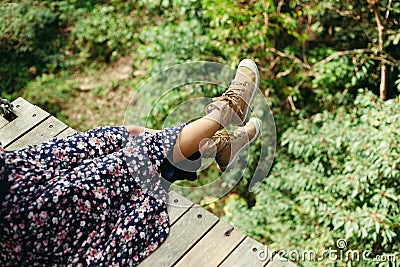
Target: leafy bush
26	28
26	37
337	176
171	44
105	33
50	92
50	36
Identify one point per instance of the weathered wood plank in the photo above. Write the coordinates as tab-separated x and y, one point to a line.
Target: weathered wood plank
277	261
273	258
214	247
194	224
28	117
42	132
67	132
177	206
246	254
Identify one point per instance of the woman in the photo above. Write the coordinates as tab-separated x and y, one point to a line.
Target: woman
99	197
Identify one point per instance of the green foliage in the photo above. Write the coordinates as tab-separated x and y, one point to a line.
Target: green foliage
24	28
106	32
337	171
337	176
26	37
50	92
240	28
172	44
14	75
53	35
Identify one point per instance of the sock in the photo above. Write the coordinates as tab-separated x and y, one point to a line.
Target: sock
184	170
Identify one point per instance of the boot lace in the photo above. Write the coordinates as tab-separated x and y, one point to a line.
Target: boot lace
226	137
232	96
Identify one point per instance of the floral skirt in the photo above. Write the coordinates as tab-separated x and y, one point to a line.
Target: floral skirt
94	198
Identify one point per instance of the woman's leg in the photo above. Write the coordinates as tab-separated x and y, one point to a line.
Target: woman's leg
190	137
195	133
230	107
135	130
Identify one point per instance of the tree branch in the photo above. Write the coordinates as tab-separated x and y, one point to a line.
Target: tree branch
388	11
381	28
309	70
291	103
279	6
390	60
342	13
294	58
284	73
326	60
340	54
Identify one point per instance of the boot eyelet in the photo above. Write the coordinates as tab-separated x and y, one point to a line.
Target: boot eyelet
245	84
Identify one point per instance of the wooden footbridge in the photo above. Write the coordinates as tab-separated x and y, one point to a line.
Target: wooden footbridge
197	237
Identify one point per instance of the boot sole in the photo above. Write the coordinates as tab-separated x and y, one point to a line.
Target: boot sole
251	65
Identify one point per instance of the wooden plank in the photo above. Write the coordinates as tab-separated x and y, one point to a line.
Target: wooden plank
278	261
177	206
246	254
42	132
66	133
194	224
28	117
214	247
273	258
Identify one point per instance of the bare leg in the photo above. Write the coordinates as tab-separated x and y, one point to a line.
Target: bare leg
135	130
193	134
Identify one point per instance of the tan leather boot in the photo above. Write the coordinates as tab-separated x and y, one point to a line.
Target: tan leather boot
235	103
226	146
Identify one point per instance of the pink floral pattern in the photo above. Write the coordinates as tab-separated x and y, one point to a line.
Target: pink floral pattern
95	198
